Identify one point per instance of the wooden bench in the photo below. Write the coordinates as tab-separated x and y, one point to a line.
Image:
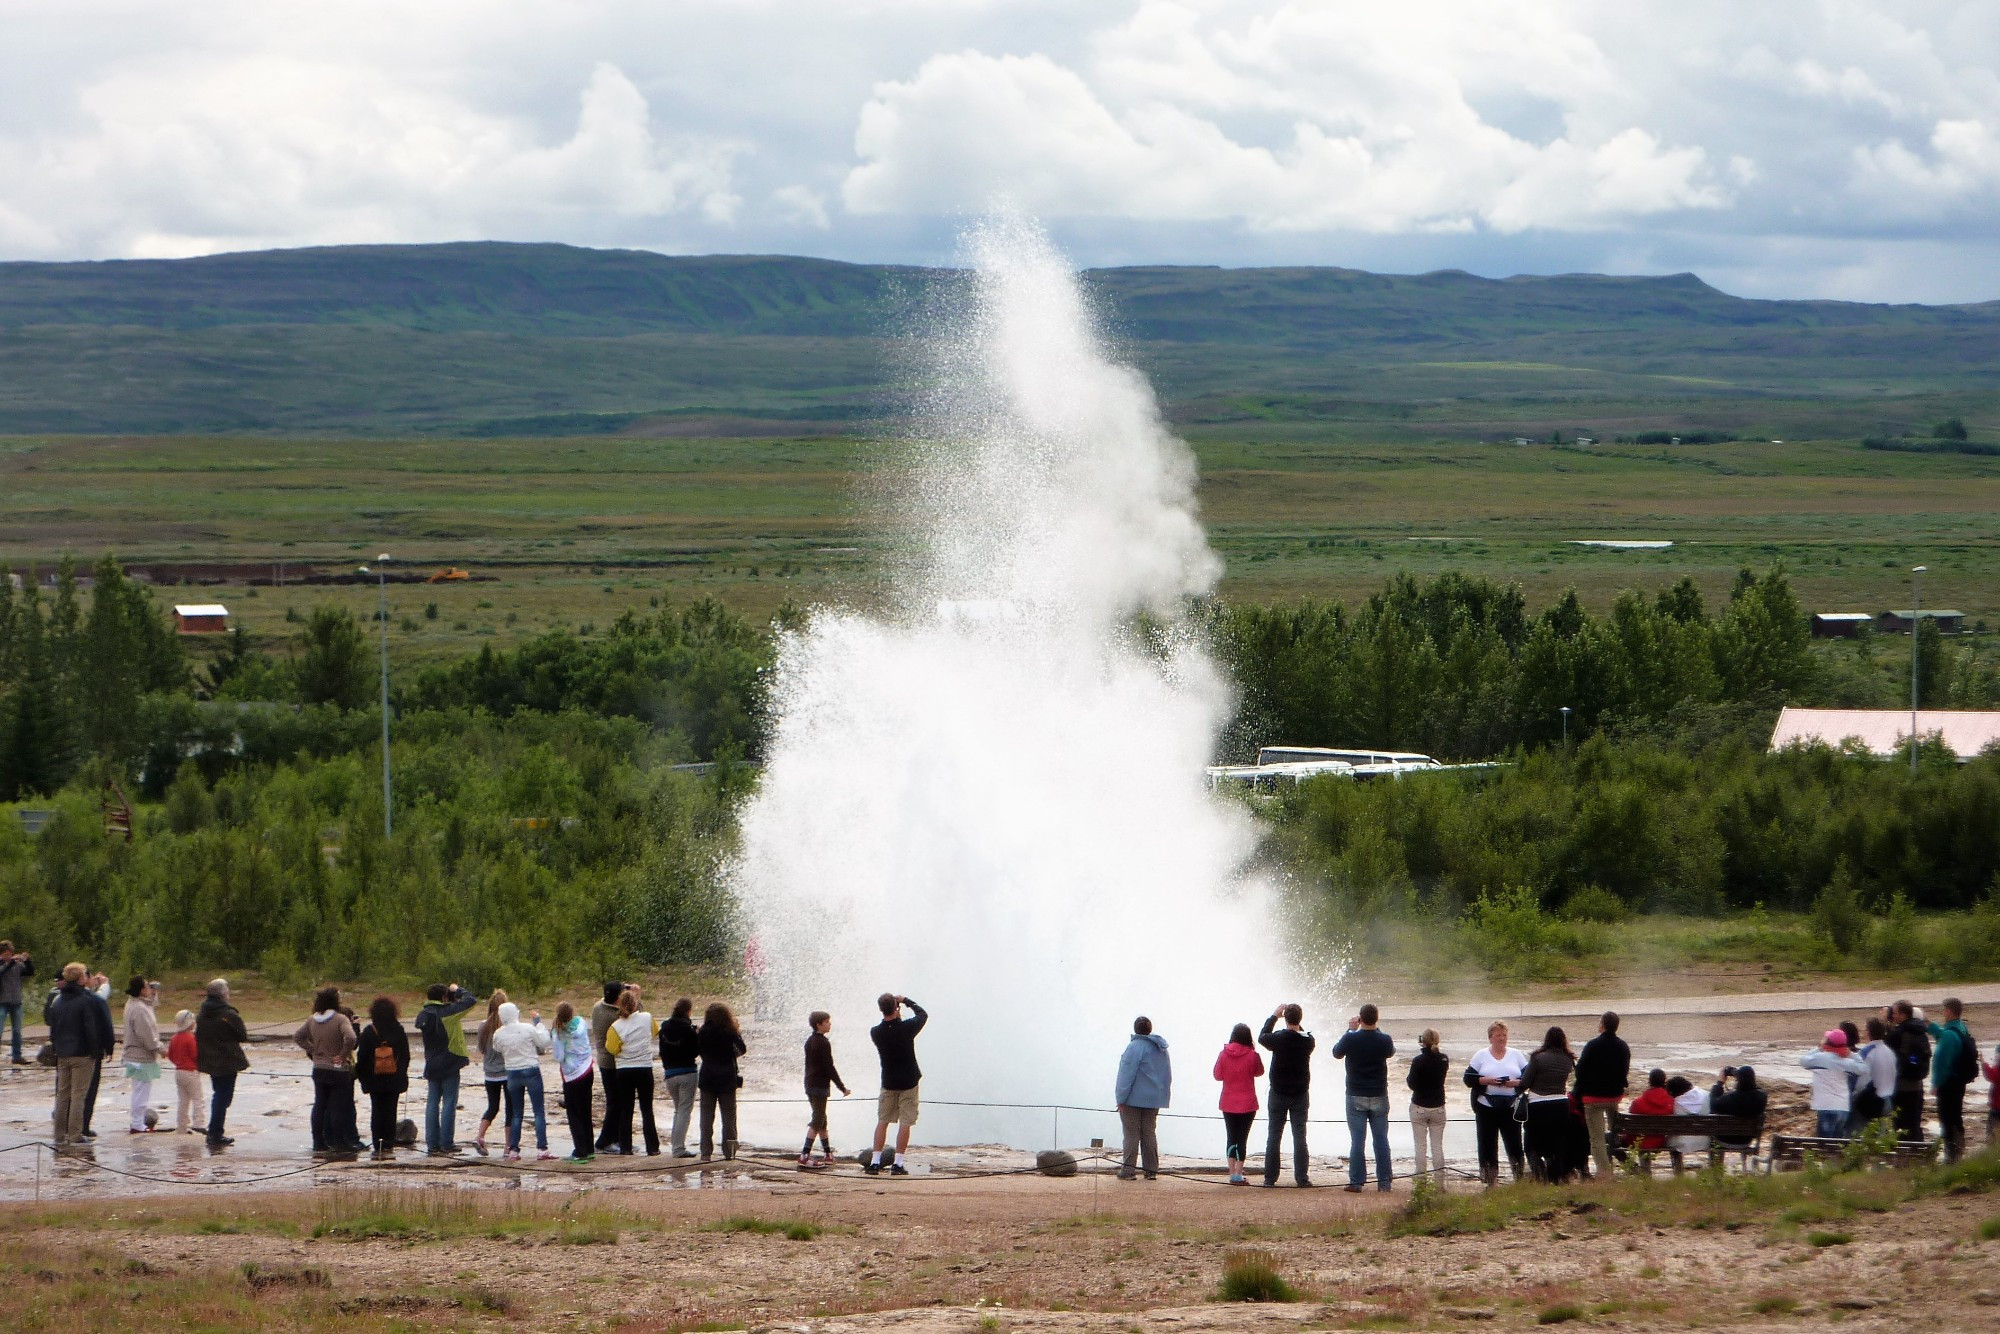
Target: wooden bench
1747	1133
1789	1151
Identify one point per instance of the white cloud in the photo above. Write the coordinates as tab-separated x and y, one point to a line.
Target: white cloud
1494	134
1364	125
182	157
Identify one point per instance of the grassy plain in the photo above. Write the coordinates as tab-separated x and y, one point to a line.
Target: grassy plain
569	532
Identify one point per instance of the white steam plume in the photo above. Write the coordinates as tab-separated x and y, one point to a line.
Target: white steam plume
994	802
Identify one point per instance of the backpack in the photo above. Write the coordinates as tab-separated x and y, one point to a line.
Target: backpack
385	1061
1965	1065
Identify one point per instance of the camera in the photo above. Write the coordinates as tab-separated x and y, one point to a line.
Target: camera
1729	1072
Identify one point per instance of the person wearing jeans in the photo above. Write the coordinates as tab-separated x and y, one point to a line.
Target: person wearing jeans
521	1047
445	1056
14	969
1291	1049
1831	1065
1145	1083
680	1072
1366	1049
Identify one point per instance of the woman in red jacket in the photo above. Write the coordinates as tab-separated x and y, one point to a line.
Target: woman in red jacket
1655	1101
1237	1067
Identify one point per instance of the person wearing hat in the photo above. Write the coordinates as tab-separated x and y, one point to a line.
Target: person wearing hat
1830	1066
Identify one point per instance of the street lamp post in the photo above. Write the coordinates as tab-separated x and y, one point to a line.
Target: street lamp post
1565	714
381	573
1916	619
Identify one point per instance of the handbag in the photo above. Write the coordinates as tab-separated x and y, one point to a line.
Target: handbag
47	1055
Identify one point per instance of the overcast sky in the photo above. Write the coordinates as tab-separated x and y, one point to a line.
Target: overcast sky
1845	148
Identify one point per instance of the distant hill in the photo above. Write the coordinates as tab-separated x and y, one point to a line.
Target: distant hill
503	338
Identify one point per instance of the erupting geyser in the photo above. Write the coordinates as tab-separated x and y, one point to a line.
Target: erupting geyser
993	801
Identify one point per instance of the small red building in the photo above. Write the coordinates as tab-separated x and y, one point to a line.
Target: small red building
201	618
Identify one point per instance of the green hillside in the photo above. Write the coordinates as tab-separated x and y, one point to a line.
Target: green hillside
485	338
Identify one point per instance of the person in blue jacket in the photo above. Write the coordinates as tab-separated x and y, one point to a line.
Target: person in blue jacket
1145	1083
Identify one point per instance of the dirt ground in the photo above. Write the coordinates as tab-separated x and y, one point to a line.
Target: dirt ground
1030	1253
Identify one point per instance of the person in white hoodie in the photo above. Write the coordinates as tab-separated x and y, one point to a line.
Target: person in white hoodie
1830	1066
521	1047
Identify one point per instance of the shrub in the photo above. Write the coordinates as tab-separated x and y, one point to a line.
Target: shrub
1837	914
1776	1305
1825	1239
1594	903
1511	937
1560	1315
1252	1276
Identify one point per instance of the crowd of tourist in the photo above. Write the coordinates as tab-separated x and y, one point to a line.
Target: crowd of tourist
615	1048
1552	1109
1549	1111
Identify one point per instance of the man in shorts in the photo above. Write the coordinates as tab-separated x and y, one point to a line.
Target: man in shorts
896	1041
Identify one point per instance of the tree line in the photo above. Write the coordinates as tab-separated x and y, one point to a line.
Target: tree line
539	828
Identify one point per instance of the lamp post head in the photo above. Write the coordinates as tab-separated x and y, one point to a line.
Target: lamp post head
362	569
1921	569
384	558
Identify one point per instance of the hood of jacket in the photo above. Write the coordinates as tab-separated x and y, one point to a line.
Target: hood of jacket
510	1013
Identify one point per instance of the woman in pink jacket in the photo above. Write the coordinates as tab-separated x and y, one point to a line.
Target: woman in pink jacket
1237	1068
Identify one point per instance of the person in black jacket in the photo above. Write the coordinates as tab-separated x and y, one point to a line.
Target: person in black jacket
721	1042
1745	1100
1367	1050
382	1065
680	1059
896	1043
1603	1073
1911	1042
822	1078
1425	1081
219	1035
1291	1049
80	1034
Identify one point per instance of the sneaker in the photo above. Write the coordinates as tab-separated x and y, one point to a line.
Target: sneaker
898	1170
1352	1190
805	1162
684	1153
1239	1180
220	1141
511	1156
545	1157
22	1060
581	1158
873	1169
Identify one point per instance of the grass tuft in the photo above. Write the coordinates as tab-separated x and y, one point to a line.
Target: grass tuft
793	1229
1560	1315
1777	1305
1252	1276
1829	1238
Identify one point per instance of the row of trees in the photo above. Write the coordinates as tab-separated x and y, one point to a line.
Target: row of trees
1657	826
1457	667
528	851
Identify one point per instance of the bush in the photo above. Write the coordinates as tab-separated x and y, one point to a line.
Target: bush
1594	903
1512	938
1838	917
1252	1276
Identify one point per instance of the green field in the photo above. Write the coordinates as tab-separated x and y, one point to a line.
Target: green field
572	531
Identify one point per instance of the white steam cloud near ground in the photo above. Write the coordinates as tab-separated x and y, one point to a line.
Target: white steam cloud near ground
1842	147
